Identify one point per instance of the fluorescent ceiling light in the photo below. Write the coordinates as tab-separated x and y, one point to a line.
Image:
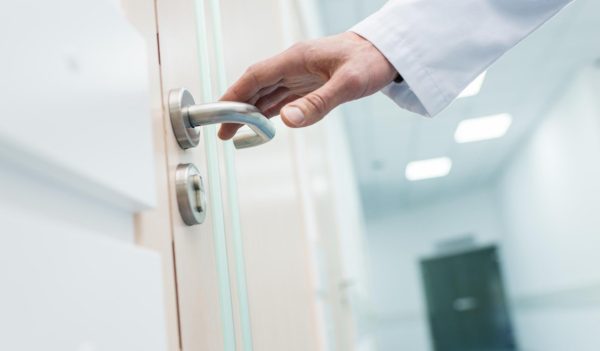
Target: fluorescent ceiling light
483	128
475	87
428	169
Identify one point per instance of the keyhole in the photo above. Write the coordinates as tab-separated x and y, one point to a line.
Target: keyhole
191	198
198	192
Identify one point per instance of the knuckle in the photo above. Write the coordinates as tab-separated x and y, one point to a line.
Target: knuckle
311	54
250	69
257	68
253	69
354	80
236	93
313	51
317	103
305	49
299	46
252	73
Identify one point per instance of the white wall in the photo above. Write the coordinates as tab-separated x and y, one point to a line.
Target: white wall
549	196
397	243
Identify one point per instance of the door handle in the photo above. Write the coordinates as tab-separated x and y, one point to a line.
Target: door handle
465	304
186	116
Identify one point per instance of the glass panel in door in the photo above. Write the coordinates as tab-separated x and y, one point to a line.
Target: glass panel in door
222	184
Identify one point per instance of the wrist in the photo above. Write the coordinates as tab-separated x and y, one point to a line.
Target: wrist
389	70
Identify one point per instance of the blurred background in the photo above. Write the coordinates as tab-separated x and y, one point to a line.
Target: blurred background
482	225
373	230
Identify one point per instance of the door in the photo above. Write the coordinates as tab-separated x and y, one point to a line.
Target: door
224	302
204	283
245	276
466	302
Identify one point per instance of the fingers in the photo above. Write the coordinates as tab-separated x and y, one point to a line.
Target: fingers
276	110
259	80
251	82
268	101
264	104
228	130
314	106
263	92
304	111
264	75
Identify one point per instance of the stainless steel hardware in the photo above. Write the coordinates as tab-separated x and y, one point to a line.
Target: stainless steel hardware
186	116
191	197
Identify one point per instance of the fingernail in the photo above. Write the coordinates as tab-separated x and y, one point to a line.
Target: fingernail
294	115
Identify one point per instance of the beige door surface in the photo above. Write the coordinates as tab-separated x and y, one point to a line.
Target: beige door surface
266	270
243	276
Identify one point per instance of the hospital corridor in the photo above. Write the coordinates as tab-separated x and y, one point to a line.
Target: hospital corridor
382	194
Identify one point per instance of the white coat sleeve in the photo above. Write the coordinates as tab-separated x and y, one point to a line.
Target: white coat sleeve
440	46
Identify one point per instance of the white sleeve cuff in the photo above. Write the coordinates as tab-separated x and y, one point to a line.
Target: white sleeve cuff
440	46
419	92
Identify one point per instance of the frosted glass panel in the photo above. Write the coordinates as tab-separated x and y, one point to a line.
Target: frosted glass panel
231	182
214	183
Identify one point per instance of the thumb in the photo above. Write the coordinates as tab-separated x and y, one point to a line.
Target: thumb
313	107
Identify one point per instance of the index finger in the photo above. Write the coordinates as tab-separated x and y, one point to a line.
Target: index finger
262	75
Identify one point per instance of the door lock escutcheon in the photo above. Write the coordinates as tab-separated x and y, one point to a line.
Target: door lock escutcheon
186	116
191	195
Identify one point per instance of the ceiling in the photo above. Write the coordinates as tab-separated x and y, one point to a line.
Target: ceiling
524	83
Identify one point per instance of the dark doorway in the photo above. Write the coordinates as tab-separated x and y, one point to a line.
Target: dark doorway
466	302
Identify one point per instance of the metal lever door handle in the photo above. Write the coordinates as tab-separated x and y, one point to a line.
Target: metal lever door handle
186	116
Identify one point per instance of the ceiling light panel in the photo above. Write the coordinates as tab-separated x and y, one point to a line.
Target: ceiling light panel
483	128
428	169
475	87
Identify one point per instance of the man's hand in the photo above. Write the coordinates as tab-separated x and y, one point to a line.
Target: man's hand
308	80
